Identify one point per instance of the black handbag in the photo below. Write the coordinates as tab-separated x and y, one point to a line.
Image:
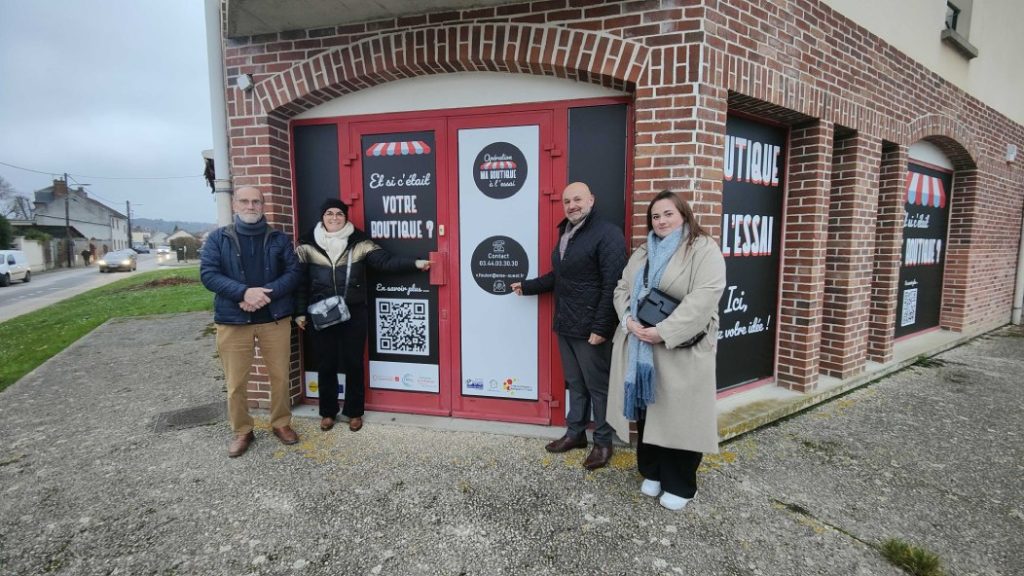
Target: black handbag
657	306
333	310
328	312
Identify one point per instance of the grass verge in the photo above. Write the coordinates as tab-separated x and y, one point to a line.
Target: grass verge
912	559
31	339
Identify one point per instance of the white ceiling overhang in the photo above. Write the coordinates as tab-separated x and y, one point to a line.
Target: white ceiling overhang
252	17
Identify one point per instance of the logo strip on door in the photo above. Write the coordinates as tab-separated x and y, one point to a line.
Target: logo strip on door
498	244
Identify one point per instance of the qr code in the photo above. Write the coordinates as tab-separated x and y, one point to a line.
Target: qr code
402	326
909	307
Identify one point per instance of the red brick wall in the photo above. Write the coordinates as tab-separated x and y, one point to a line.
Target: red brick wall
888	250
803	245
688	63
849	259
805	59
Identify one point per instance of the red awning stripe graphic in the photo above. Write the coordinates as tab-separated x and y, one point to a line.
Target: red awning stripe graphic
404	148
499	165
925	190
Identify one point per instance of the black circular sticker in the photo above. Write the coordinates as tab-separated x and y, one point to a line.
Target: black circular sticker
498	262
500	170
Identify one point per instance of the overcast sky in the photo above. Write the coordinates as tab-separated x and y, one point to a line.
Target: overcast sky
113	88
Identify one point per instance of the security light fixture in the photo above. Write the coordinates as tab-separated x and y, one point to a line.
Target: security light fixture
244	82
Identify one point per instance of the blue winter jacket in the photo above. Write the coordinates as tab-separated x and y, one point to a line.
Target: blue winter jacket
221	272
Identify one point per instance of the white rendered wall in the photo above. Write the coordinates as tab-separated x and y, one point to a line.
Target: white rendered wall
925	151
459	90
996	76
33	253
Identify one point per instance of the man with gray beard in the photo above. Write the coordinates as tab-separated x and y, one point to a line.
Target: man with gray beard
252	271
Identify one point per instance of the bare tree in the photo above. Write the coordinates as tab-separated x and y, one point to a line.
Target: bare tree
7	190
13	205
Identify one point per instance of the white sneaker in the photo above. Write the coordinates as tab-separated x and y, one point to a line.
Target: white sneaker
651	488
673	502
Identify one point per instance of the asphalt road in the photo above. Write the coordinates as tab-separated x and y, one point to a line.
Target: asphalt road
55	285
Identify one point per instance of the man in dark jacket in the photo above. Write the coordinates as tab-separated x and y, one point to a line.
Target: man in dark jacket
252	271
585	267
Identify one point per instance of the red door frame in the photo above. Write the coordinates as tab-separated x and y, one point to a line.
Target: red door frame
482	407
350	173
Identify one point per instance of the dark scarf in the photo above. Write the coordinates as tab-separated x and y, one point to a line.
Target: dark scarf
257	229
250	244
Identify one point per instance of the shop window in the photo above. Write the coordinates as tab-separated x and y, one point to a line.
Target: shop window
952	15
957	29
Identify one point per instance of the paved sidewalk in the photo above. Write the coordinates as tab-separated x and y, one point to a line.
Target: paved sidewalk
100	473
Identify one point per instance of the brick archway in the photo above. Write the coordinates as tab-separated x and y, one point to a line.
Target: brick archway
579	55
958	145
949	136
259	144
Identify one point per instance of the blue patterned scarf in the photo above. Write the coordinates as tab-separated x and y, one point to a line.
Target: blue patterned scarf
639	385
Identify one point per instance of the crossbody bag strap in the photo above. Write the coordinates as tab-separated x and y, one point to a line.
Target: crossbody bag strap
348	272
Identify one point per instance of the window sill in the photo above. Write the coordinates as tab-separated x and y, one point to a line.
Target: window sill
959	43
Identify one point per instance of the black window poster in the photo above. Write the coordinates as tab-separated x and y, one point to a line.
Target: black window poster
400	207
925	217
751	221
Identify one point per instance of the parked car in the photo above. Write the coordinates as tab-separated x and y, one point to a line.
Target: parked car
119	260
141	248
14	266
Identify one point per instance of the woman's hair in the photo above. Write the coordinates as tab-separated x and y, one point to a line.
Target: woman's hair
683	207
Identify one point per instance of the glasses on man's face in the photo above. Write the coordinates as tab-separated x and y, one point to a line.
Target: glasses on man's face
334	214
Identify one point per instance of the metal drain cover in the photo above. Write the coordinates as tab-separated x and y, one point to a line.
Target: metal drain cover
202	415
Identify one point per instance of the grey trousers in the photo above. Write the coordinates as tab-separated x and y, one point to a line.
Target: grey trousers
585	368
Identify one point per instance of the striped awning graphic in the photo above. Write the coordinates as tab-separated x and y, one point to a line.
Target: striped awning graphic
499	165
405	148
925	190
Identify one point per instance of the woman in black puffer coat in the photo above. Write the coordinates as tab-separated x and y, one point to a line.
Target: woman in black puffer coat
323	254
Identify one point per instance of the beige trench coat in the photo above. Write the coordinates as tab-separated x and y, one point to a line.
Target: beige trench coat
683	414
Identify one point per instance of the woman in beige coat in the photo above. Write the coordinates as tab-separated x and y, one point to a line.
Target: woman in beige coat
659	378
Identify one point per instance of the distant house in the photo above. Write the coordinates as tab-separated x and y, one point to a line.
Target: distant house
158	239
103	227
140	236
179	234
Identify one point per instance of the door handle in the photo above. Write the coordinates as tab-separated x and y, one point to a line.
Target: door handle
438	269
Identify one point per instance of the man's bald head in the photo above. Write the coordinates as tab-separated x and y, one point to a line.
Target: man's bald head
577	201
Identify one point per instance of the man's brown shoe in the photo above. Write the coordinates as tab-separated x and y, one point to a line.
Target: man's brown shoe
286	435
566	443
598	457
326	423
240	444
355	423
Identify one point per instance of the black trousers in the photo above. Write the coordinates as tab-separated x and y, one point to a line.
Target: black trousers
585	368
341	348
675	469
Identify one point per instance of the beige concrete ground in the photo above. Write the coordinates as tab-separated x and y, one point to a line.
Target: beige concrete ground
102	473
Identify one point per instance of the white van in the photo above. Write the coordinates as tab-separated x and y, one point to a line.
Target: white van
14	266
